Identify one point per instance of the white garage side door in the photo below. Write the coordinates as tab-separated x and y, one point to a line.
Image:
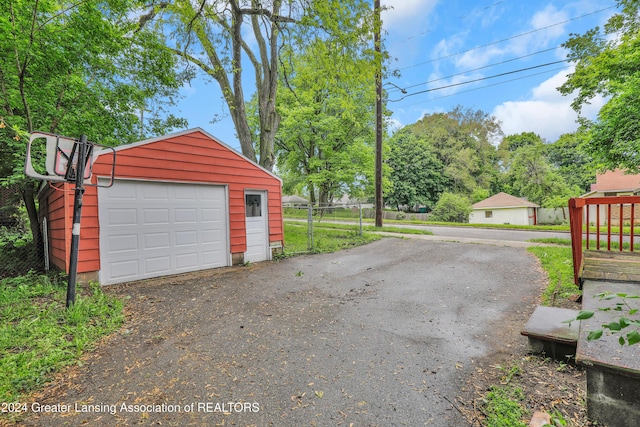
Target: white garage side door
257	226
150	229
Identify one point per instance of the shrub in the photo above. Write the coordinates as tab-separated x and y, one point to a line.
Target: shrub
18	253
451	208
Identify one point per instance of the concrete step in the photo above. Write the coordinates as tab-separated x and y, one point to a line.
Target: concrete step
613	371
549	333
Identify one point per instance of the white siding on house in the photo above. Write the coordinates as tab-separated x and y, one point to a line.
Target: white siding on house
513	216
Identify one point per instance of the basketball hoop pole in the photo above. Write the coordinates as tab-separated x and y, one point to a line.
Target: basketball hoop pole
77	213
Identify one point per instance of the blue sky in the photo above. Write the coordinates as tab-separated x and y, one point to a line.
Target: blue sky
439	43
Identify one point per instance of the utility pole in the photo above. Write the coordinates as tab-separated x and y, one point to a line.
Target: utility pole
377	32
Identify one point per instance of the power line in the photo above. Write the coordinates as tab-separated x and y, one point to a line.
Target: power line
507	39
478	80
428	31
487	86
477	69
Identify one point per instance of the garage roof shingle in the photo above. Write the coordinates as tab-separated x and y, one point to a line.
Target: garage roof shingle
504	200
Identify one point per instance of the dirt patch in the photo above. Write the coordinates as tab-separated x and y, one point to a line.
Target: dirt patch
556	387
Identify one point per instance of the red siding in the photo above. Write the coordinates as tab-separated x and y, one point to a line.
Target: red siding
189	157
58	197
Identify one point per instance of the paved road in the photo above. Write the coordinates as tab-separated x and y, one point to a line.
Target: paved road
507	237
491	234
380	335
518	238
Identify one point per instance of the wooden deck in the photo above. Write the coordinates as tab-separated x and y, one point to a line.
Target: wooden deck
610	266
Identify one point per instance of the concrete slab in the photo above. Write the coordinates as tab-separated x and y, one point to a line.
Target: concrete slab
549	332
613	371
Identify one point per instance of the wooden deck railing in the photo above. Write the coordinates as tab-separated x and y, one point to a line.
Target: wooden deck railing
603	214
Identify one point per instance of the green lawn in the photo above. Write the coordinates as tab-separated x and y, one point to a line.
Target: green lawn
557	261
341	214
39	335
326	239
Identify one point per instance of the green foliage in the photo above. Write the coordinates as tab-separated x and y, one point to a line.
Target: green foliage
530	175
479	194
510	144
462	142
503	408
571	161
513	143
325	137
617	326
326	239
39	336
97	87
224	43
76	68
607	63
452	208
558	264
416	173
17	252
558	419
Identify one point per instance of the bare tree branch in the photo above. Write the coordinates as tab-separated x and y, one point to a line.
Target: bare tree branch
150	15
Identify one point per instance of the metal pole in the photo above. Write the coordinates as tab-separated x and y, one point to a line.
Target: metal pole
77	214
309	227
378	55
360	215
45	243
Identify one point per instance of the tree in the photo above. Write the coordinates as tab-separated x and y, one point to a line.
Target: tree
220	37
462	141
452	208
511	143
573	164
416	174
326	132
532	176
50	81
607	63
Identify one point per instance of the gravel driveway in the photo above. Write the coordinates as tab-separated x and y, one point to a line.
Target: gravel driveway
379	335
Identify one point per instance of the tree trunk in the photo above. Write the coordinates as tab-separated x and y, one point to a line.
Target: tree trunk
269	122
269	117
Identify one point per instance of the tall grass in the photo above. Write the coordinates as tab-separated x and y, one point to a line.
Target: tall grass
557	261
39	335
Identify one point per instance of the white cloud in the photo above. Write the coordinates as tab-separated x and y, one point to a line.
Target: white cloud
547	112
551	23
479	58
545	28
403	15
393	125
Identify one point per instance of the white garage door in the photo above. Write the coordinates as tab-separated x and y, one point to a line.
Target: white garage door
151	229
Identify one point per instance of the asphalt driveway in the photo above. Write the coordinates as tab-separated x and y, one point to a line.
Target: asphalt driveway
379	335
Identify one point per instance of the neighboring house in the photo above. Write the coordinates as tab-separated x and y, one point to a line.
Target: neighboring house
611	184
294	201
614	183
503	208
179	203
349	202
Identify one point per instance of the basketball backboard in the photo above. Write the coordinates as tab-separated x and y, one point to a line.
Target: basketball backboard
58	153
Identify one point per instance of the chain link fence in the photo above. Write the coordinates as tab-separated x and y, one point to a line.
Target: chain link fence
317	219
18	252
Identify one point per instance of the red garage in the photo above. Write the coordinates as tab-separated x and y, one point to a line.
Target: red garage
179	203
